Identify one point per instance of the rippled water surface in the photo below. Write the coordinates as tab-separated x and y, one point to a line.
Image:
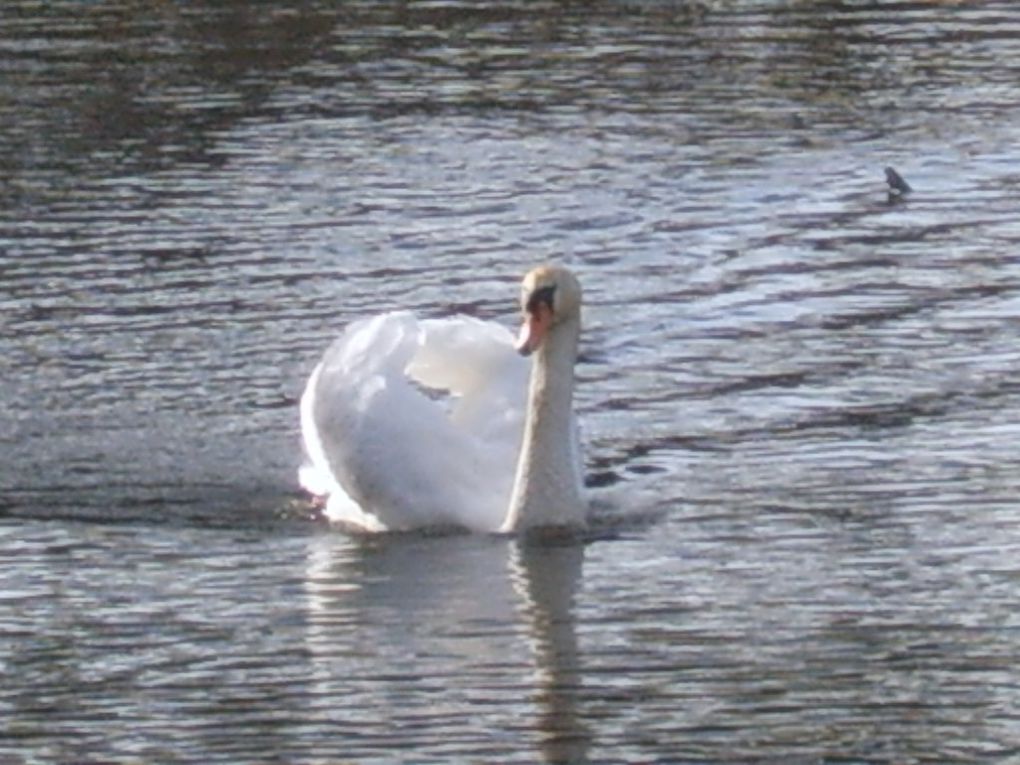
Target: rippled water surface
799	394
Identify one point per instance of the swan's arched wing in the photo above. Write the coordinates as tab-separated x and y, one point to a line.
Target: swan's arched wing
415	423
475	362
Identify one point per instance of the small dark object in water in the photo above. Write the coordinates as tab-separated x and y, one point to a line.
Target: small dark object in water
897	186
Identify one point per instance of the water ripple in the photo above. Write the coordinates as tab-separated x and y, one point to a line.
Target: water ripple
797	391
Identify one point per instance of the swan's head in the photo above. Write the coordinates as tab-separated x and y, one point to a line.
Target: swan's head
550	295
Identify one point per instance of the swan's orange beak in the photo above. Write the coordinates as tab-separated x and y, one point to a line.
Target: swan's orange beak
536	325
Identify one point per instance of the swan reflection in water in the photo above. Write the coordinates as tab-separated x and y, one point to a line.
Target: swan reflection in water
546	575
465	640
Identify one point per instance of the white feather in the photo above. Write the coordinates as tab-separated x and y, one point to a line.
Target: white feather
411	423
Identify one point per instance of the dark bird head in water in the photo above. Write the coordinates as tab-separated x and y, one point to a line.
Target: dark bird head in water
898	188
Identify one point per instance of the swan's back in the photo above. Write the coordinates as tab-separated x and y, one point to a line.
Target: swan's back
411	423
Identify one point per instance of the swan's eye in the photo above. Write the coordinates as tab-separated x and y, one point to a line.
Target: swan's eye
541	295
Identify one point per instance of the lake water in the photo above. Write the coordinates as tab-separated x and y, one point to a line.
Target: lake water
800	396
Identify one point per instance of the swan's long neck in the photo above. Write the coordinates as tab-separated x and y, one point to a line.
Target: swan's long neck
547	487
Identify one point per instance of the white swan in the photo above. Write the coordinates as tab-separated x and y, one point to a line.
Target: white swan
498	453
